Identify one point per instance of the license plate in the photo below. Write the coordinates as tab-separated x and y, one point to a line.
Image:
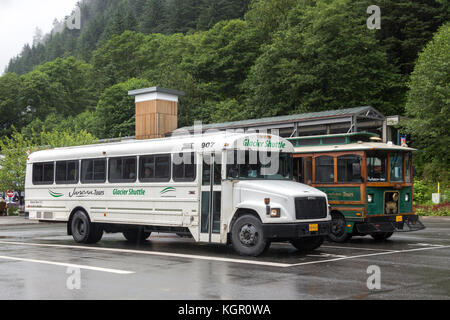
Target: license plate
398	218
313	227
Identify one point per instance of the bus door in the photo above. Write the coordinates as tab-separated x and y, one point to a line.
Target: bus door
211	197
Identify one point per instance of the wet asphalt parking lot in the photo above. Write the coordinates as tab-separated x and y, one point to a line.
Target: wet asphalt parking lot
42	262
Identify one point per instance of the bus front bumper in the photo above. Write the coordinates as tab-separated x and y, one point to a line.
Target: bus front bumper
281	231
390	224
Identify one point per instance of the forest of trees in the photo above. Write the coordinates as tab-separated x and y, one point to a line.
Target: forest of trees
235	59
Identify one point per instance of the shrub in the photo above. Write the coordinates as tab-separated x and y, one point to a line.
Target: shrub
442	209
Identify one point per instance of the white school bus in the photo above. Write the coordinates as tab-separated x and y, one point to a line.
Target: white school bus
228	188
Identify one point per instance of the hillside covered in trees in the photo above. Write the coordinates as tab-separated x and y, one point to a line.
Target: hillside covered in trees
235	59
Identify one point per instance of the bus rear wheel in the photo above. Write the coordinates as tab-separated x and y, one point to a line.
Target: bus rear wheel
247	236
307	244
83	231
381	236
338	232
136	235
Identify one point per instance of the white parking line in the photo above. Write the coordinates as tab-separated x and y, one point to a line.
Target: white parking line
242	261
425	245
166	254
356	248
367	255
326	255
68	265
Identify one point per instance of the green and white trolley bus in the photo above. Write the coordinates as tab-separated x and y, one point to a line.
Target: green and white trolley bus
217	188
369	184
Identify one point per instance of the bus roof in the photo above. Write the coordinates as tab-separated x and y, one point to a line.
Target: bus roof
212	142
359	146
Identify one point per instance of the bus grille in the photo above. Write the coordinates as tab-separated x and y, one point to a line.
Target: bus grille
310	208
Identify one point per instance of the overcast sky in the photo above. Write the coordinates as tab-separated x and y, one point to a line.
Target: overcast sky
19	19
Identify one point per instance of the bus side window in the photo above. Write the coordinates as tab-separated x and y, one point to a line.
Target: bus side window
154	168
93	171
66	172
43	173
298	169
308	171
186	170
122	169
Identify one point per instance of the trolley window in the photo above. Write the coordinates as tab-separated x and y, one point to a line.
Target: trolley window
376	167
408	166
349	168
324	169
396	167
66	172
43	173
93	171
122	169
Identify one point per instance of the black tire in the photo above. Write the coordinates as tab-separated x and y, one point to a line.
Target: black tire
338	230
136	235
83	231
381	236
247	236
307	244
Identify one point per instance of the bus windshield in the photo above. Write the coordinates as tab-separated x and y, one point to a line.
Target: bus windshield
376	167
253	165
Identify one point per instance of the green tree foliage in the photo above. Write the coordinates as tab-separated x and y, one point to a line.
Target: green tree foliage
267	15
407	26
10	106
115	110
323	58
278	57
156	13
17	148
220	63
64	86
101	20
428	106
116	61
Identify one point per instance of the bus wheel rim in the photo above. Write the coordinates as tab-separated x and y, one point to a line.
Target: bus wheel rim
337	227
81	227
248	235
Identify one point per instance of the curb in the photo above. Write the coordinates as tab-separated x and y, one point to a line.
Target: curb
435	218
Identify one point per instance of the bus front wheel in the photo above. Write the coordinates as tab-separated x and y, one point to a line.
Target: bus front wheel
247	236
307	244
83	231
338	232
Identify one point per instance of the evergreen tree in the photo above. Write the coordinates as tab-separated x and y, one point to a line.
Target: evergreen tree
323	58
428	106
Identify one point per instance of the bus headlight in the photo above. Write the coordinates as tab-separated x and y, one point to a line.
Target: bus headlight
370	198
406	197
275	212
